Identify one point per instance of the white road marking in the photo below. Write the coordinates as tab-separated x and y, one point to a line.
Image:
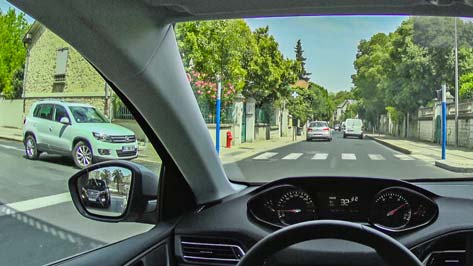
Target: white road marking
10	147
33	204
265	156
348	156
404	157
292	156
376	157
320	156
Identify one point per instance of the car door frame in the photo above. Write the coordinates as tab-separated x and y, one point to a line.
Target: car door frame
59	141
44	129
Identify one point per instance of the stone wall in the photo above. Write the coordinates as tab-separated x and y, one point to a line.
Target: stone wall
426	131
11	113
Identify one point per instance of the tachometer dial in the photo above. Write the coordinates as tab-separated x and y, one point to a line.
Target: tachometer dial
391	211
295	206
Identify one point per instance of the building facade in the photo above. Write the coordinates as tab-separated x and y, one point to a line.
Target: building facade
55	70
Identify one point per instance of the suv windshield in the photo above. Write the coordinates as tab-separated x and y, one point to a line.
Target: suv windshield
83	114
378	77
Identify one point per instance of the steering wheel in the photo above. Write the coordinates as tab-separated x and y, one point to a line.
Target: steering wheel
390	250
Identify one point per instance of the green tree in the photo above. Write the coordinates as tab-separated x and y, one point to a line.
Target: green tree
300	59
118	178
466	88
216	48
13	27
269	73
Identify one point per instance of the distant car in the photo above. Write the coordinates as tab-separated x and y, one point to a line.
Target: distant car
319	130
76	130
96	193
337	127
353	127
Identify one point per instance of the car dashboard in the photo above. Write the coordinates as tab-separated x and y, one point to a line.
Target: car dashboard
433	219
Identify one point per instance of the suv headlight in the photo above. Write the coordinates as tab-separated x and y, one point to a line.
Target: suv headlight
102	137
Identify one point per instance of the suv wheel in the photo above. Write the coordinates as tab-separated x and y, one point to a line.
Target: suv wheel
31	148
82	154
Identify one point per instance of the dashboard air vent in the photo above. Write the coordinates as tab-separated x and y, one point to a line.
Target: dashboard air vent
211	251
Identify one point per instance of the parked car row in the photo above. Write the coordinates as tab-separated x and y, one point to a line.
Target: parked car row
321	130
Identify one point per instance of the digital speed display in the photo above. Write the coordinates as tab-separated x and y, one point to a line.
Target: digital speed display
341	206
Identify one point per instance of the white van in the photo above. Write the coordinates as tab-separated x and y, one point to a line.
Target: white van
353	127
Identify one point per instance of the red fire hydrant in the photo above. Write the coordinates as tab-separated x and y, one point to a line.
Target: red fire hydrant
229	139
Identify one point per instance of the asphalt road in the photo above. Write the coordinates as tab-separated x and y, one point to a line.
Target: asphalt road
341	157
39	223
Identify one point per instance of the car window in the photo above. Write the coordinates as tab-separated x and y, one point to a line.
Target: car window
84	114
45	111
60	113
318	124
353	123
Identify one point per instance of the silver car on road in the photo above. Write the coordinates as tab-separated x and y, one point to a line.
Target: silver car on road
319	130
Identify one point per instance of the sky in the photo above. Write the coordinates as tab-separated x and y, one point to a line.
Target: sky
329	42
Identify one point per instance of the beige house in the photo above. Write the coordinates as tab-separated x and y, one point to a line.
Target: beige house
55	70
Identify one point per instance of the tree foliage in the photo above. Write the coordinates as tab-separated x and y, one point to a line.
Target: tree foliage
400	71
13	27
300	60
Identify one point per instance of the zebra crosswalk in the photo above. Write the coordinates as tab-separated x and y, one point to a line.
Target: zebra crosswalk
324	156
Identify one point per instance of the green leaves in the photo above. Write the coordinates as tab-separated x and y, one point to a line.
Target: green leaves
12	52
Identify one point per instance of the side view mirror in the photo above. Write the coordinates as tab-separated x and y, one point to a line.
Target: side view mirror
65	120
116	191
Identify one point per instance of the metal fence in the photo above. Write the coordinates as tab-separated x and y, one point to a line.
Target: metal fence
121	112
227	114
265	114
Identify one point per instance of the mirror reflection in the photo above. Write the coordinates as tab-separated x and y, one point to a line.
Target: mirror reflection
105	191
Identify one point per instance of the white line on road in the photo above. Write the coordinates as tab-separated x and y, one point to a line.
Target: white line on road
10	147
376	157
33	204
404	157
292	156
320	156
348	156
265	156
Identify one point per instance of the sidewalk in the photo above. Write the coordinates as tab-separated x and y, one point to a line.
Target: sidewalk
248	149
458	159
10	133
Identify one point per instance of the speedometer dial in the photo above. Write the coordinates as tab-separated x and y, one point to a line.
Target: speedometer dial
391	211
295	206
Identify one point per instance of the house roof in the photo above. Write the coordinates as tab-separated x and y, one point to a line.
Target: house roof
32	32
348	101
301	84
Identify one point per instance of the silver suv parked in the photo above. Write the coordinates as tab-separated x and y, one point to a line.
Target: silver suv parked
76	130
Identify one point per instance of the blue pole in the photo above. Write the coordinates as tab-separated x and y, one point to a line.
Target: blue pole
444	122
217	118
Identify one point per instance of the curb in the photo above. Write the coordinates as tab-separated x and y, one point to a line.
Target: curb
10	138
392	146
457	169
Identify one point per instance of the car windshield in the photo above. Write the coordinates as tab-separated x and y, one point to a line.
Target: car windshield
353	122
84	114
378	77
318	124
96	184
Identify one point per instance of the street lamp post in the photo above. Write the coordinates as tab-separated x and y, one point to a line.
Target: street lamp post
217	116
456	85
444	121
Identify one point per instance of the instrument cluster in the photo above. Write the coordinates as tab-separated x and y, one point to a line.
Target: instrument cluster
392	209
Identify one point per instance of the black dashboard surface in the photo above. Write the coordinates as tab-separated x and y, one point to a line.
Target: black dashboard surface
448	207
